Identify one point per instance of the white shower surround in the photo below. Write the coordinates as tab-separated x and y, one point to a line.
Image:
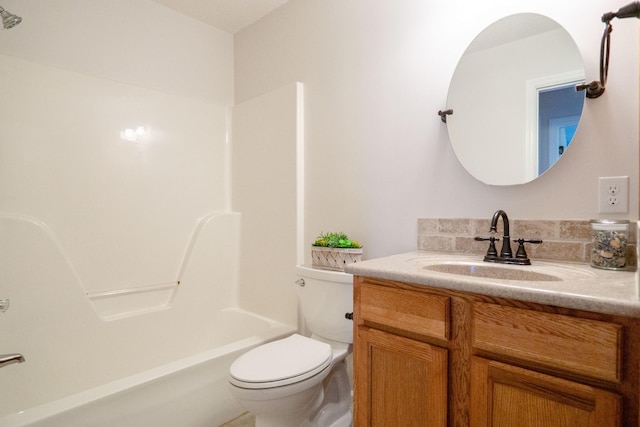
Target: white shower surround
69	348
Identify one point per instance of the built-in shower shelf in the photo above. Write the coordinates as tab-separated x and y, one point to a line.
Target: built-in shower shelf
120	303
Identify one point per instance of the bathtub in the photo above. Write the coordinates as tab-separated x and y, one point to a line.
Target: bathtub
188	392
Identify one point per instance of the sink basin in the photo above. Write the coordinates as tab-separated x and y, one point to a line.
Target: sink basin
492	272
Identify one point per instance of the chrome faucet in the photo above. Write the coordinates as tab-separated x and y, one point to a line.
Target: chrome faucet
506	256
8	359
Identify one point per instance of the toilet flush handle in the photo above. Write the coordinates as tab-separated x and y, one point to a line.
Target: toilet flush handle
300	282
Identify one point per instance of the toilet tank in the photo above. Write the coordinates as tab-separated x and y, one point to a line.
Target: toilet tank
324	299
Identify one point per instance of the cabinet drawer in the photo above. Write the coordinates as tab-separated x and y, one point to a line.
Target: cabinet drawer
417	312
586	347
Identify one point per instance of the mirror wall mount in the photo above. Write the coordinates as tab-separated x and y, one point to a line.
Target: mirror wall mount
443	114
597	87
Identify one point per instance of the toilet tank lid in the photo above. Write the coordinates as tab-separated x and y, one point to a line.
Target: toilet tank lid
326	275
286	358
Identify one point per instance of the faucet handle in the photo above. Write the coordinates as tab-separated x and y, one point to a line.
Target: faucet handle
486	239
521	253
492	251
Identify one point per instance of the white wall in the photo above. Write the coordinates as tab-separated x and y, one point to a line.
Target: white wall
375	74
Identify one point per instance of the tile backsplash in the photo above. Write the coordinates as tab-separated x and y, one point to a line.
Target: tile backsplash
563	240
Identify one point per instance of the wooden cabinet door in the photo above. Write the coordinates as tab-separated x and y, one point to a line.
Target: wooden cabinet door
398	381
506	396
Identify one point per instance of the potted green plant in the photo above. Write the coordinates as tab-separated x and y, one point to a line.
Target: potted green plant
333	251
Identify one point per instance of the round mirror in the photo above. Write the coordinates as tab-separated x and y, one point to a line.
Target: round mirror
515	106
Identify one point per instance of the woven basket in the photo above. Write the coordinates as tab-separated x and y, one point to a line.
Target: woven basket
334	258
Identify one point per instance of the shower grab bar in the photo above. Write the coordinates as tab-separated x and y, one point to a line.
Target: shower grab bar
8	359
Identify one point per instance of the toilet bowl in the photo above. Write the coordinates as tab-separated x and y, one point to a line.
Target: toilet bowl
302	381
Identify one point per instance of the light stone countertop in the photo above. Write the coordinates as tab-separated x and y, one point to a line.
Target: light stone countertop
578	286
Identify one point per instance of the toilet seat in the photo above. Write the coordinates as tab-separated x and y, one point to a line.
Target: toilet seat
279	363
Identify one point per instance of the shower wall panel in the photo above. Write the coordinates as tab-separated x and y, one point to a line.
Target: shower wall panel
120	173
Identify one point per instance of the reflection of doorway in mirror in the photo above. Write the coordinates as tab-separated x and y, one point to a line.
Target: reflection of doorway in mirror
554	108
559	111
561	131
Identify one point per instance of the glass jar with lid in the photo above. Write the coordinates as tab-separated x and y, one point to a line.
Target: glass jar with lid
609	240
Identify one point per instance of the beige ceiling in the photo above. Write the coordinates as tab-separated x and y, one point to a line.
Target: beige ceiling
228	15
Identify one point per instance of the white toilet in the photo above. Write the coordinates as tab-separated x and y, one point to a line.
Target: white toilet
299	381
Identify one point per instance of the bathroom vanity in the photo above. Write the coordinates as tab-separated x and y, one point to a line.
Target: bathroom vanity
444	339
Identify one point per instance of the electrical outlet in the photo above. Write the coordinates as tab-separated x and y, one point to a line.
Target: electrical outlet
613	195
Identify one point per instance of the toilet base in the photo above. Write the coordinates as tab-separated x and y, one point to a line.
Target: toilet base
331	407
